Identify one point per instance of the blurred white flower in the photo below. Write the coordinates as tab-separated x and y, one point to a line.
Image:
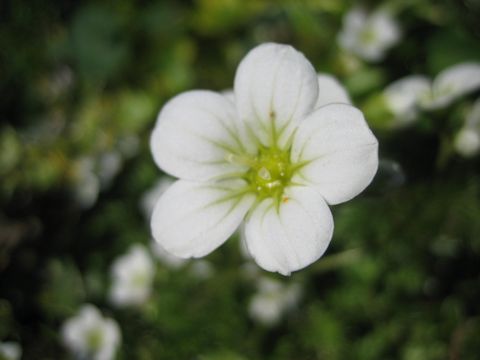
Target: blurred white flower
151	196
132	276
86	184
467	141
91	174
128	145
10	350
402	98
88	335
58	83
108	166
451	84
270	158
369	35
272	300
249	269
330	91
201	269
167	259
406	97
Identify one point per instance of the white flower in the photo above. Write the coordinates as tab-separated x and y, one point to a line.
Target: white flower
272	300
402	98
467	141
89	335
132	277
406	97
269	158
10	350
368	35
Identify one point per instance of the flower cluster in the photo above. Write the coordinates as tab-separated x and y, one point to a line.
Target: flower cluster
276	153
406	97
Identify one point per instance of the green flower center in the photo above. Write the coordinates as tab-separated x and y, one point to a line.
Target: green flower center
94	339
368	36
139	279
270	172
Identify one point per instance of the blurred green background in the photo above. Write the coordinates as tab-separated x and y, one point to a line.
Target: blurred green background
81	85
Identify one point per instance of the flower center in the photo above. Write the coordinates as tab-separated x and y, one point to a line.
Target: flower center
139	279
269	173
368	36
94	339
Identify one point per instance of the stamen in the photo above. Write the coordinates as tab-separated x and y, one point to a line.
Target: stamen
241	160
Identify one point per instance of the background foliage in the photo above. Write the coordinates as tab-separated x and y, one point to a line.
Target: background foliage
81	81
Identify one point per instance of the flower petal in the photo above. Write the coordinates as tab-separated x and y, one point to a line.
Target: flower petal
403	96
275	87
192	219
452	83
291	236
330	91
194	134
340	151
229	94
